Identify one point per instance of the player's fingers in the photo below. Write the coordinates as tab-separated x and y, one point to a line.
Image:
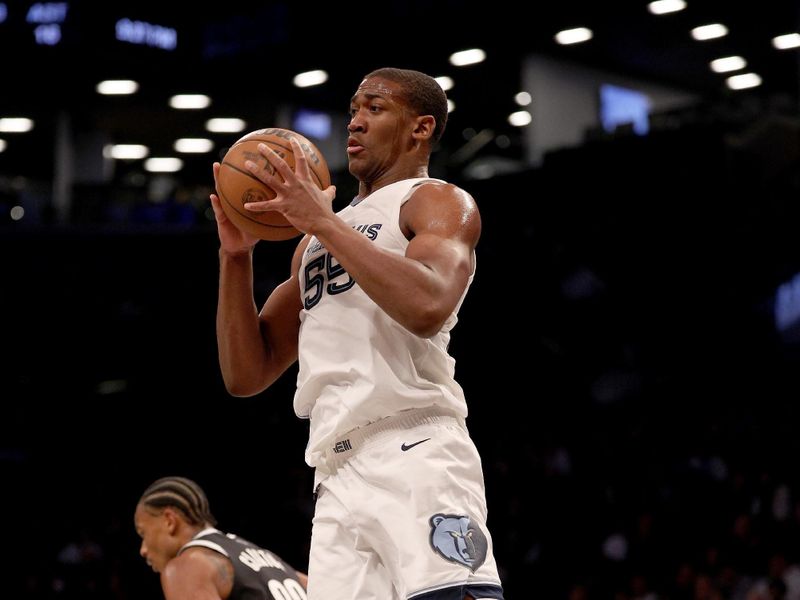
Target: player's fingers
216	206
266	173
262	206
280	165
300	161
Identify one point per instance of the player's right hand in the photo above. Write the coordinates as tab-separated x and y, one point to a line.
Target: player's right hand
232	239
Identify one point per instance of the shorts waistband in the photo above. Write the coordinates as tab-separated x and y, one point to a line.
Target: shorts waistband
353	441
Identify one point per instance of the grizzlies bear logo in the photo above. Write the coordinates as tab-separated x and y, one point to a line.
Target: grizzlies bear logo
458	541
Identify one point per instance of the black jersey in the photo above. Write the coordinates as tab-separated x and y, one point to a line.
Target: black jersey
258	574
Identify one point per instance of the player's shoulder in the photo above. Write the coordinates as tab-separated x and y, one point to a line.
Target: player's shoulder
443	207
198	568
196	563
436	190
208	543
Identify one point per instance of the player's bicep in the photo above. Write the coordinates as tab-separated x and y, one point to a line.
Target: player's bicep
450	260
280	316
280	322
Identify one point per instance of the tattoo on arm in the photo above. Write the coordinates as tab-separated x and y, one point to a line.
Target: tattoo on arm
224	569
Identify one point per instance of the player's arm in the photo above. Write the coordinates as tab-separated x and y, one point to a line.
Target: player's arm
302	578
420	289
254	347
197	574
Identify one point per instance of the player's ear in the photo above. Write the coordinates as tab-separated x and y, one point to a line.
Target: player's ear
424	126
170	520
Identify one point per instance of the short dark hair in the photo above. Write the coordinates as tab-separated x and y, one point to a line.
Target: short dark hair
424	95
182	494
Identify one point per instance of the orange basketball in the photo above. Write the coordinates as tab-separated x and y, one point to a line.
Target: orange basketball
236	185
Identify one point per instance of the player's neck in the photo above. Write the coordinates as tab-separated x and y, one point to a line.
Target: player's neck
192	531
365	188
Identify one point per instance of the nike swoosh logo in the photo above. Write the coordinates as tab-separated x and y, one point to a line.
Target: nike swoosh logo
405	447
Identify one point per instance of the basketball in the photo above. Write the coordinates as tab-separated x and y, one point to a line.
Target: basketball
236	185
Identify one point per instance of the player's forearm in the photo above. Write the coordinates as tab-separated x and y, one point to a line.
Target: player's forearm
242	354
410	292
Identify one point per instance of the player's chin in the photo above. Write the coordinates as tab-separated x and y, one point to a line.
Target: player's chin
357	168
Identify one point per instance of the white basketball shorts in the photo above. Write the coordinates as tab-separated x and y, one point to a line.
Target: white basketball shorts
401	514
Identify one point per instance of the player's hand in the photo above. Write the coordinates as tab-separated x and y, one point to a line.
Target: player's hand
297	197
232	239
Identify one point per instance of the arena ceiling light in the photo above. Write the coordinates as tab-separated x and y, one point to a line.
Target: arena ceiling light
520	118
785	42
193	145
663	7
189	101
576	35
163	165
523	98
709	32
15	124
126	151
445	82
727	64
467	57
310	78
743	81
225	125
117	87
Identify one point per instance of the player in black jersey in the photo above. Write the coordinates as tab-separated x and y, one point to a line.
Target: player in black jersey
196	560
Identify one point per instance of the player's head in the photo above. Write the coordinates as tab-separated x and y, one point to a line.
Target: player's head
170	511
396	116
421	93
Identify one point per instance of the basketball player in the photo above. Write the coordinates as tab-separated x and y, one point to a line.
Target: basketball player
196	560
367	309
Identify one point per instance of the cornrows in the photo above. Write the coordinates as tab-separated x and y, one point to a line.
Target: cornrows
182	494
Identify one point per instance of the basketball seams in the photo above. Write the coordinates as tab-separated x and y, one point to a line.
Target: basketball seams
243	172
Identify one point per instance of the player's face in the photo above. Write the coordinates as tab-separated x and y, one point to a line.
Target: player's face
380	128
157	543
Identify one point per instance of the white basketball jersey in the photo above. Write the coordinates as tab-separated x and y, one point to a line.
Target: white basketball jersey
358	365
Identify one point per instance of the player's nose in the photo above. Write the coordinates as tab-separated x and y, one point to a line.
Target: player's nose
355	124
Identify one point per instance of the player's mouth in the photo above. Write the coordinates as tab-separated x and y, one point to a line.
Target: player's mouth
353	146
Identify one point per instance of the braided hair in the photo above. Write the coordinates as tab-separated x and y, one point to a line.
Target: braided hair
181	494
